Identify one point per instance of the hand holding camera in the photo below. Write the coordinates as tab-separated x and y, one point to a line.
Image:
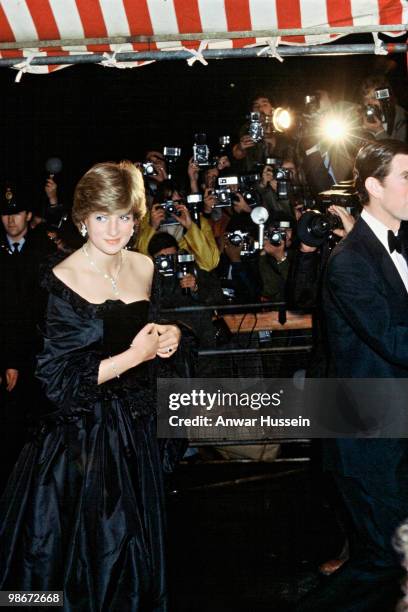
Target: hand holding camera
268	178
193	170
347	220
189	281
246	142
210	200
157	216
239	204
183	216
232	251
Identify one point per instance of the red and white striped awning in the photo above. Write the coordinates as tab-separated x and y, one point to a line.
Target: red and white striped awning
31	28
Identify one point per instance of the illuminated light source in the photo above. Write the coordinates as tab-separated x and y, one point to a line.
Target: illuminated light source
281	119
335	128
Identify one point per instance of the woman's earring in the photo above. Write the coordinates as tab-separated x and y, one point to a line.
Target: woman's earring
83	230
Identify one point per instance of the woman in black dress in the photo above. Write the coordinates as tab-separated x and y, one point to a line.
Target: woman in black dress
83	510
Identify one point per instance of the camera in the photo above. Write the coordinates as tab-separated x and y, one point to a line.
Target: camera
276	235
255	128
165	264
282	174
169	207
373	113
224	142
242	239
314	227
272	161
148	169
185	264
195	206
177	265
171	155
339	196
283	178
383	94
302	198
229	186
225	197
171	152
312	104
201	151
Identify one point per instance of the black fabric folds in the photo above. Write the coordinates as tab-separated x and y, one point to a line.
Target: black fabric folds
83	510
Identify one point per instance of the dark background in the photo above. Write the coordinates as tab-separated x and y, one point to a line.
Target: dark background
84	114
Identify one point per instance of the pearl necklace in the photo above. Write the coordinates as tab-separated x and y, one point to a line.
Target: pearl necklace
113	279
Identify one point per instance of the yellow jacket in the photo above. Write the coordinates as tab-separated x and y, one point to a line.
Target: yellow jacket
200	242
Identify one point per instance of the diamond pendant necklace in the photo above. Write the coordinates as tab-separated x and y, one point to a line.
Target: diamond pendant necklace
113	279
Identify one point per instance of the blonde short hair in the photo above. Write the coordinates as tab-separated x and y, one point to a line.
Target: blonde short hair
109	187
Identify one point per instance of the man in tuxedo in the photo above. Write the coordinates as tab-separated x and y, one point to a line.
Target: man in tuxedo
366	306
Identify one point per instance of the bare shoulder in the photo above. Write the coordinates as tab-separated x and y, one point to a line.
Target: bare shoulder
67	269
142	264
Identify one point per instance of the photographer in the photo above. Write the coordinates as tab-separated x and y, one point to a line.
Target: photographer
328	159
311	258
196	239
381	116
275	260
249	152
186	284
238	272
282	183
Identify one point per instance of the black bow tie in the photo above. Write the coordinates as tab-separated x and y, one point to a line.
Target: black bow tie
394	242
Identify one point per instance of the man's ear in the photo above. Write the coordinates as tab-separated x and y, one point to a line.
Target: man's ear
373	187
29	216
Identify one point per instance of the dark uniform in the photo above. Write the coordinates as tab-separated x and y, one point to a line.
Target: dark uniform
22	304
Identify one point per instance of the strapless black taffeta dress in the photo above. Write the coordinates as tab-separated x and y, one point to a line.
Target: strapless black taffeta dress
83	509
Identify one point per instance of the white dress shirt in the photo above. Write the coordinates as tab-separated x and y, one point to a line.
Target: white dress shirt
381	232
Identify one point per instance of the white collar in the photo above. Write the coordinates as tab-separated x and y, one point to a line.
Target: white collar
379	229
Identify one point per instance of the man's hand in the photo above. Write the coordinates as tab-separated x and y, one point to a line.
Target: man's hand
232	252
246	142
157	215
347	220
189	281
183	216
193	172
239	205
209	200
267	178
51	190
11	378
239	150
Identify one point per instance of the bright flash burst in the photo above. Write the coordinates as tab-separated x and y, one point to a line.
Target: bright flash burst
336	128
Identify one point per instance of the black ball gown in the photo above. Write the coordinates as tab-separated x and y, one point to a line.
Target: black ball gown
83	509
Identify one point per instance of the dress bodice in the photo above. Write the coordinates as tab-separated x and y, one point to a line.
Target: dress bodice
121	323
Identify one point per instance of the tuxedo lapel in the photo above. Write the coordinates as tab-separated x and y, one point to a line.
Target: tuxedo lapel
378	252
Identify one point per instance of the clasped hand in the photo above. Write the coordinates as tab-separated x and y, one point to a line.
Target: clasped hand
156	340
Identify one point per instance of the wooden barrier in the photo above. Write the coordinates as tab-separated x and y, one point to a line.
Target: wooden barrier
262	321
